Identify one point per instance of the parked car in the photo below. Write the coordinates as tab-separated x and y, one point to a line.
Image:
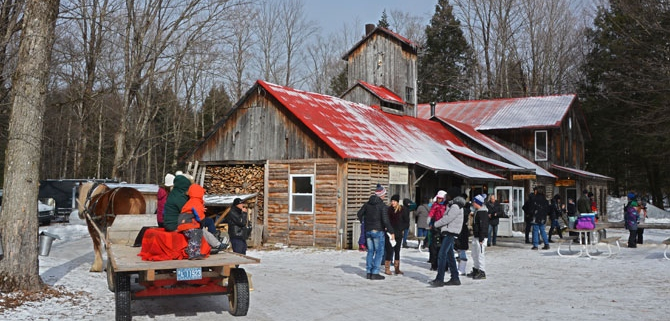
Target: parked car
46	209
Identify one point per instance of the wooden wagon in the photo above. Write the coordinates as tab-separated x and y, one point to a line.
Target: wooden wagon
216	275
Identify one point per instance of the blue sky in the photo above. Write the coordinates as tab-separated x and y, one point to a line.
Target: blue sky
332	14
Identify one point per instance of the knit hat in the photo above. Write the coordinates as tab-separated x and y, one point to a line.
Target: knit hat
169	180
395	197
633	203
441	194
380	190
480	199
631	195
237	201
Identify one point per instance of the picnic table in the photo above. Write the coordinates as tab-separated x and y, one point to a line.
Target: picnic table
588	242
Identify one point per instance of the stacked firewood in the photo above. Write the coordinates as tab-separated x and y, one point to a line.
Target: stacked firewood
237	179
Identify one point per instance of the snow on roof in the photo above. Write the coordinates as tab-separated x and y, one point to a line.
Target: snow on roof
357	131
509	113
382	92
142	188
225	200
582	173
470	153
497	148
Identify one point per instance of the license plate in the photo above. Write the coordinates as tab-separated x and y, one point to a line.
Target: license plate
185	274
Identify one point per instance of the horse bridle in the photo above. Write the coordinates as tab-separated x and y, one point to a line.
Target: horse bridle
87	204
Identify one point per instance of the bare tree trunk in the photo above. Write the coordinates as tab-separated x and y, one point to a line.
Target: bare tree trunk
19	270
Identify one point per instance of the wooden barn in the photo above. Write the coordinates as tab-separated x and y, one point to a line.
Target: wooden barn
322	157
549	132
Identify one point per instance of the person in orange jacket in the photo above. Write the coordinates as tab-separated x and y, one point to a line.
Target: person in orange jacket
192	213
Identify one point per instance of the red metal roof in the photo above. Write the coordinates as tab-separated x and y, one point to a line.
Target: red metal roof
509	113
382	92
357	131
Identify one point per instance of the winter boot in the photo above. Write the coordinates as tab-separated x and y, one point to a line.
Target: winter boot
396	265
387	267
462	266
472	274
481	275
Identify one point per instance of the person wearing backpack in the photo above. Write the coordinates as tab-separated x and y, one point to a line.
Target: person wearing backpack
462	239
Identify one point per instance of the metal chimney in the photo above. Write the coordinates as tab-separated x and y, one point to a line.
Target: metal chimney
432	109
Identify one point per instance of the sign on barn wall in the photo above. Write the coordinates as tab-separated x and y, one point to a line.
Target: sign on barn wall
398	175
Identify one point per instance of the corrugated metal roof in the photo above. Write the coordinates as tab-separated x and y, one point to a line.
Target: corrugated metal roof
357	131
510	113
497	148
582	173
382	92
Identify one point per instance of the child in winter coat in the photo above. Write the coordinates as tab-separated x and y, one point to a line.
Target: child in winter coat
632	218
192	213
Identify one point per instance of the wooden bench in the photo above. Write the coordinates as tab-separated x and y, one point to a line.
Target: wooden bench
570	240
665	253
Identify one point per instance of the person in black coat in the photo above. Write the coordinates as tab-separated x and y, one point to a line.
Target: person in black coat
555	213
540	209
373	214
494	218
480	227
528	215
237	226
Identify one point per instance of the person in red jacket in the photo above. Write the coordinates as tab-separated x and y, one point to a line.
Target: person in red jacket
161	197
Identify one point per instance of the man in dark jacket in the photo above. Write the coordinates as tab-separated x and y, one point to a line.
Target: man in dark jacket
555	213
480	228
494	218
374	216
237	220
540	209
528	215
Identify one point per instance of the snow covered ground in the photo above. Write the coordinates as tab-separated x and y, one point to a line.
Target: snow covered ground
316	284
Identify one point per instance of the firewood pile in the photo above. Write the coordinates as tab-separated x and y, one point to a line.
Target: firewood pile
237	179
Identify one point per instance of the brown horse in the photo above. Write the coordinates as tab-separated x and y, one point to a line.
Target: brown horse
98	205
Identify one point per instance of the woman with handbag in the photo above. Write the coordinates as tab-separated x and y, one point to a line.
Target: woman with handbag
238	226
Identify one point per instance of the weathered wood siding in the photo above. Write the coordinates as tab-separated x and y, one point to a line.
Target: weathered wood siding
362	178
382	61
317	229
360	95
258	130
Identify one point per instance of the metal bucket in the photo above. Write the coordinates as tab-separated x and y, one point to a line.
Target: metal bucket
46	239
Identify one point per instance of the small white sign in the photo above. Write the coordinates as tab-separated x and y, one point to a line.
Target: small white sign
398	175
185	274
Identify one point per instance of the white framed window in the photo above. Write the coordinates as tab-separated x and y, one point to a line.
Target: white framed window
301	194
541	141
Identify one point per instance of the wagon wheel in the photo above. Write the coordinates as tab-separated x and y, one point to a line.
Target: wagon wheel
238	296
110	276
122	296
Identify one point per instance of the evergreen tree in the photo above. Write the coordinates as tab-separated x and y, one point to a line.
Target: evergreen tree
445	60
384	22
216	105
339	84
625	94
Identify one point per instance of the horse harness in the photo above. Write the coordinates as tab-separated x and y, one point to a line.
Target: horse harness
87	205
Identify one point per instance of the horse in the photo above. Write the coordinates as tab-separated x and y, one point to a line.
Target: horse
98	205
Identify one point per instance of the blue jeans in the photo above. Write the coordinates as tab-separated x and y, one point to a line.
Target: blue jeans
493	234
421	232
404	237
446	257
539	229
375	240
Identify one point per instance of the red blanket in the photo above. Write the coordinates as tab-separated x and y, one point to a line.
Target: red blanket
159	245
